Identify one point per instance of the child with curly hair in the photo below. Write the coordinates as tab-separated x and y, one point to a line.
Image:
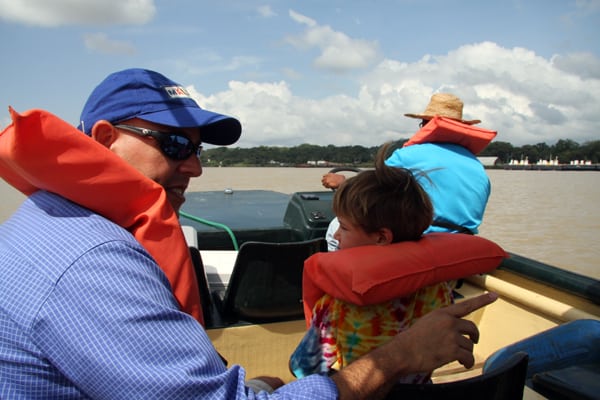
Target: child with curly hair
380	206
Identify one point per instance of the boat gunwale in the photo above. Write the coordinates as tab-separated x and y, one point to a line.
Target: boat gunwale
579	285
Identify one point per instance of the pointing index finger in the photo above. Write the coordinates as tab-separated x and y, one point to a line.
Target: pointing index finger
466	307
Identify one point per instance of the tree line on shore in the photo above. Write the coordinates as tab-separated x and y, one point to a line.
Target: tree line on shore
565	150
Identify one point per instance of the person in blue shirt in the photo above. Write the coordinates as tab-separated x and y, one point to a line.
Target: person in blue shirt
454	178
86	312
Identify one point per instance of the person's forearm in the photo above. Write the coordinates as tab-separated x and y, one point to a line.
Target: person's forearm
373	375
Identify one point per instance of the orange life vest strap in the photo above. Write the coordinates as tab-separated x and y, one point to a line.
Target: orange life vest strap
41	151
367	275
446	130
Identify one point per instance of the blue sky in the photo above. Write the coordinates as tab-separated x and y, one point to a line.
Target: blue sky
320	72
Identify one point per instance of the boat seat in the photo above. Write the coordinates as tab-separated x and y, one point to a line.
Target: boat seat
266	282
564	361
577	382
205	295
506	381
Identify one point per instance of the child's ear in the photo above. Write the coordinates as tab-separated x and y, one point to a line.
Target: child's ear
384	236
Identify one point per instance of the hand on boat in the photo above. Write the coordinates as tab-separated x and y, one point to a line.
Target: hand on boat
332	180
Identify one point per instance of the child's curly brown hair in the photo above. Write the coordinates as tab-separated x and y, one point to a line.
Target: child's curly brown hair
385	197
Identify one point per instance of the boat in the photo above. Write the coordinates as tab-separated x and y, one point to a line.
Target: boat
540	306
534	298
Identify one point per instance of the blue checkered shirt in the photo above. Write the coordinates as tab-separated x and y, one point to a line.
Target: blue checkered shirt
85	312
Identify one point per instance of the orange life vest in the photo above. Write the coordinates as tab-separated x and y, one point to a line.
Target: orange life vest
447	130
41	151
367	275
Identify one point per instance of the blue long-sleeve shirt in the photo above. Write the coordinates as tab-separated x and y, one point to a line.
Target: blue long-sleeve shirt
85	312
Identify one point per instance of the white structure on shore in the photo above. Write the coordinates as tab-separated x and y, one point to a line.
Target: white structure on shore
519	162
548	162
580	162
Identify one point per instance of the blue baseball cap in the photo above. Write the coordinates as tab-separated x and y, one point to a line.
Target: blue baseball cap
148	95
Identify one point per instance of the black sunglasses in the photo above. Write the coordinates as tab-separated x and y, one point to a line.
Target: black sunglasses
173	145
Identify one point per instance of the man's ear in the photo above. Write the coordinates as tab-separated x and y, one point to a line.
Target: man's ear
384	236
104	133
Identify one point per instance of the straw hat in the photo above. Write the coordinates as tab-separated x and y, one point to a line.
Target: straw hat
444	105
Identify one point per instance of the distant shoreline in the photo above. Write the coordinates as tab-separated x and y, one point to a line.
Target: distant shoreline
530	167
535	167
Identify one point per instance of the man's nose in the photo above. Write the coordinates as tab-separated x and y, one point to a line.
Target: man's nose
191	166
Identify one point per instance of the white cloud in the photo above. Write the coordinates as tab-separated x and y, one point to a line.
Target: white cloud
338	52
100	42
266	11
584	65
523	96
81	12
302	19
528	99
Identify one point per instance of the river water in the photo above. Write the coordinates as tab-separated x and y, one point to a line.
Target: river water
551	216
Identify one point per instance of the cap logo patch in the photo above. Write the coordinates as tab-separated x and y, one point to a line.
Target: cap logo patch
177	92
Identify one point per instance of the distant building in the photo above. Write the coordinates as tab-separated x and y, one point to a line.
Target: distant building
320	163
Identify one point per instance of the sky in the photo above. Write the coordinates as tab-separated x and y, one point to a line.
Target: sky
320	72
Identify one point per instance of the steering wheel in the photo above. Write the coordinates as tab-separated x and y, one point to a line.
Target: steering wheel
339	169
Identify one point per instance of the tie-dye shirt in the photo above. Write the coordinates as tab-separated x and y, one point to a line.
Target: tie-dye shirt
341	332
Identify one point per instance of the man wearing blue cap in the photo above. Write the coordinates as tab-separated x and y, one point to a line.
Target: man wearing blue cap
145	106
89	307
